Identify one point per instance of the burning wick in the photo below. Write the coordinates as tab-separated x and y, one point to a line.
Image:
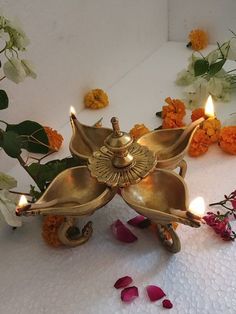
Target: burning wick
196	208
72	112
22	205
209	108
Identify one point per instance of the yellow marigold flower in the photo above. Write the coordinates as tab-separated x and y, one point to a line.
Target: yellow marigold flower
212	128
54	138
198	39
138	130
51	224
199	144
227	140
96	99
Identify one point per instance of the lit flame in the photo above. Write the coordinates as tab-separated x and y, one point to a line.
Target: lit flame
209	108
23	201
72	110
197	207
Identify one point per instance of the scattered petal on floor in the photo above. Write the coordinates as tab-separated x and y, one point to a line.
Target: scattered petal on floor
122	233
155	293
123	282
129	294
136	220
167	304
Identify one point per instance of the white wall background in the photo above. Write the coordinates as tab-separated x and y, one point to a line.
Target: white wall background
77	45
216	16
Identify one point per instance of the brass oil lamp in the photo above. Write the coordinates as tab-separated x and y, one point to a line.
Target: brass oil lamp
142	170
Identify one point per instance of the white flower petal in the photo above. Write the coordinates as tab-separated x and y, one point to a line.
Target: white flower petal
8	207
14	70
29	68
7	182
184	78
229	49
219	88
4	35
196	93
213	56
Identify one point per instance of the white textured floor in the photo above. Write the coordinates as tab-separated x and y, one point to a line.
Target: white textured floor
200	279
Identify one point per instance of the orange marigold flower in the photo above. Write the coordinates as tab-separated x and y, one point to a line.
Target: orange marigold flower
199	144
198	113
198	39
175	106
138	130
212	129
172	121
54	138
227	139
96	99
51	224
173	114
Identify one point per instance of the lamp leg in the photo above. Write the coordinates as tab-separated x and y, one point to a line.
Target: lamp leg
182	168
66	229
170	242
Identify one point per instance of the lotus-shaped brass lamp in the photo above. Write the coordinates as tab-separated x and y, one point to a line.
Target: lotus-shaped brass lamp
141	169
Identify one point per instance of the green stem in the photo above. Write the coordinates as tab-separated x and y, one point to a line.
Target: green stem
19	193
3	49
23	164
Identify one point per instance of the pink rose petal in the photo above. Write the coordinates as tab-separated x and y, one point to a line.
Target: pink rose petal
155	293
122	233
123	282
167	304
136	220
129	294
233	202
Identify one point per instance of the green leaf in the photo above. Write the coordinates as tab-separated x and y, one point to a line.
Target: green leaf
216	67
34	193
11	144
44	174
201	67
3	99
36	140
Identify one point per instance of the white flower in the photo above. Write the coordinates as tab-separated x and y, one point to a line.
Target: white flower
4	35
219	88
229	49
7	182
184	78
8	203
213	56
14	70
29	68
196	93
18	36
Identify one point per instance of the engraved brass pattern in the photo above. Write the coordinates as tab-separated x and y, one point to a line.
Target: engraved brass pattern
102	168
